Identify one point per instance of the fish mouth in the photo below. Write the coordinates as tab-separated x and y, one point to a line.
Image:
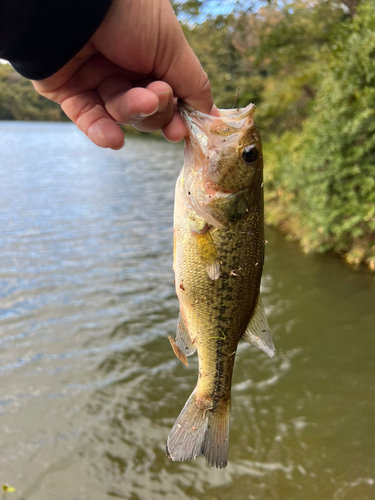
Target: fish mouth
235	118
213	190
223	193
208	133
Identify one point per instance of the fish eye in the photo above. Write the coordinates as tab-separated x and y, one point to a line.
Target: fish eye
250	154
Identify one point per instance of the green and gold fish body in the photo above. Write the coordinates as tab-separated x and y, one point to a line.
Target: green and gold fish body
218	261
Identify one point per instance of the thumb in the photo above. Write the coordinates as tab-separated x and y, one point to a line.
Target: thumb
190	82
183	71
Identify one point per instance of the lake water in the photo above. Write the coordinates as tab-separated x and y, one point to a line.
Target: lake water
89	385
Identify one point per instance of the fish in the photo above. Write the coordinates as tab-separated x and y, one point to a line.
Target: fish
218	260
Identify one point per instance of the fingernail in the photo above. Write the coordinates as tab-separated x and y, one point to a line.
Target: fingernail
163	101
163	104
141	116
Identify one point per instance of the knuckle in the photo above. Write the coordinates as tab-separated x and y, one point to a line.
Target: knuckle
83	109
89	108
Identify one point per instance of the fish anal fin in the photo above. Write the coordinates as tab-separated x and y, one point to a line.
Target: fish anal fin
258	331
208	254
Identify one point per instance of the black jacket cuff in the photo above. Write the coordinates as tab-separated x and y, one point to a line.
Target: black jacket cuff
48	33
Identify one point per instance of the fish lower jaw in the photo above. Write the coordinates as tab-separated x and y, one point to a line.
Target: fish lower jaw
214	191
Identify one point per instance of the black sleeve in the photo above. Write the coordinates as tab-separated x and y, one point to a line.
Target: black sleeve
39	36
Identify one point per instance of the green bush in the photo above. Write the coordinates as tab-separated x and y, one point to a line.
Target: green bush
323	178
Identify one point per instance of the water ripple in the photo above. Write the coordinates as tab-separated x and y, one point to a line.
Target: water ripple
89	384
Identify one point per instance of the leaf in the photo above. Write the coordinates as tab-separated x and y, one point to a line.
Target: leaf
8	489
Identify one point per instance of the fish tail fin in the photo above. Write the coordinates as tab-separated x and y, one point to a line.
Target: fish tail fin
200	432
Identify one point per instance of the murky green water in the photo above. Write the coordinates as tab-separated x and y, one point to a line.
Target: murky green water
89	386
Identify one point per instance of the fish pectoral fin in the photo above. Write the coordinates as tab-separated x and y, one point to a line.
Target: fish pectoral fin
258	332
208	254
182	345
205	245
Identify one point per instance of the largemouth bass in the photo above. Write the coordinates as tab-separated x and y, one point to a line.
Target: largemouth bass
218	260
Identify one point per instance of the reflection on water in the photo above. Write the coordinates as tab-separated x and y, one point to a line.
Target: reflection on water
89	387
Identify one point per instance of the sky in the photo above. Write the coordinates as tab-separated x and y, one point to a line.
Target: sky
222	7
216	7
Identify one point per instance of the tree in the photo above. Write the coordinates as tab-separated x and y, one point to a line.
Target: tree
325	176
19	101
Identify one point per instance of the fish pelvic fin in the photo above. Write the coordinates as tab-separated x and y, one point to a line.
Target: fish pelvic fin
200	432
258	332
179	354
182	345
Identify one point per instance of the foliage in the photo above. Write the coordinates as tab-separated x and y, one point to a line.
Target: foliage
187	7
225	65
272	55
293	44
19	101
324	176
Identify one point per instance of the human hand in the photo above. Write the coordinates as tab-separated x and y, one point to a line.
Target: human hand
132	70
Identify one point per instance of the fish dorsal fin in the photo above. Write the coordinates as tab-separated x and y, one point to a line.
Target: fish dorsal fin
258	332
182	346
208	254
